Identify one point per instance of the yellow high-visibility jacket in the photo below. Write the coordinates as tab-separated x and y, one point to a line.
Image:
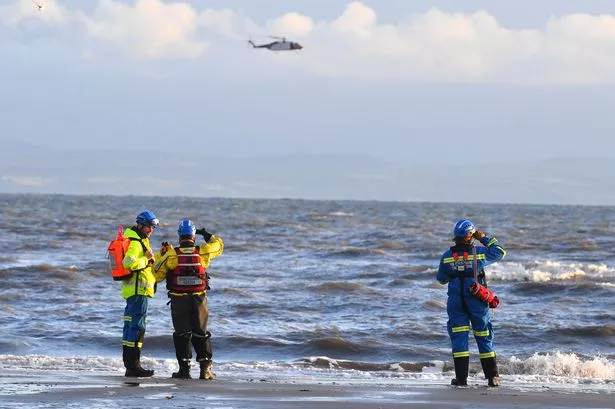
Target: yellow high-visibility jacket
142	280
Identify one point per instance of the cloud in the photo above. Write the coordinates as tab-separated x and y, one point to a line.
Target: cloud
580	48
220	23
150	29
214	187
291	24
26	180
16	13
430	46
357	20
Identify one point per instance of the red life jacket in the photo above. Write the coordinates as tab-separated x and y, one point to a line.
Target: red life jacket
189	276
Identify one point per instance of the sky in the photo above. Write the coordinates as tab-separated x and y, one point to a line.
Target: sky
436	82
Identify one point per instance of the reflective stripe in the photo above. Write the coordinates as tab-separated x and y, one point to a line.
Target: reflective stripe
487	355
503	251
493	240
461	354
128	260
127	318
189	275
182	294
135	260
481	333
465	328
449	260
132	344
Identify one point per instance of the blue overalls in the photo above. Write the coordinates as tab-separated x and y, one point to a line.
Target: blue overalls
464	310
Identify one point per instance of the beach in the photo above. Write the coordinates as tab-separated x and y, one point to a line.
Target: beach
313	304
56	389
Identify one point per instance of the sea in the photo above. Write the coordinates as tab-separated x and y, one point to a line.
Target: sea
320	290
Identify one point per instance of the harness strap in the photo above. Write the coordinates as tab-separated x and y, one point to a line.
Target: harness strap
464	274
141	269
475	264
465	255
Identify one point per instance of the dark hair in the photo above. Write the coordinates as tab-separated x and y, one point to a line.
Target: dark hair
462	240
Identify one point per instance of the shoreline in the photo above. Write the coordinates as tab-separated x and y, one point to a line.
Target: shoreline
45	389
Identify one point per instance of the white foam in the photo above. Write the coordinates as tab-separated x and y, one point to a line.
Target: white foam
564	365
548	270
557	368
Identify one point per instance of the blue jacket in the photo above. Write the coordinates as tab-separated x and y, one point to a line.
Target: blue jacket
451	269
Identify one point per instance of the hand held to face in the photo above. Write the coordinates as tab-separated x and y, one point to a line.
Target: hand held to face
206	235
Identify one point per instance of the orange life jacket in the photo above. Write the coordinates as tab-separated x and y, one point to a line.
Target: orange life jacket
116	252
189	276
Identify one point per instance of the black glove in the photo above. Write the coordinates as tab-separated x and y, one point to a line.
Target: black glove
478	234
204	233
165	247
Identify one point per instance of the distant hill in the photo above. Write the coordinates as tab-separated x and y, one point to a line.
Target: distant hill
25	168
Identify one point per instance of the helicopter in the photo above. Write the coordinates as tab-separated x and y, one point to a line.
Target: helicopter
279	45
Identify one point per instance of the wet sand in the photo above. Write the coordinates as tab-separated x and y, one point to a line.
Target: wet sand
51	389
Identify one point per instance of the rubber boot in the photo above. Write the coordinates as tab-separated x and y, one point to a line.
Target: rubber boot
183	353
461	371
202	346
129	361
490	369
132	358
184	371
145	373
206	372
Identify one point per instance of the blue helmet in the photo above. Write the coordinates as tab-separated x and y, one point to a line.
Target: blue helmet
186	228
147	218
463	228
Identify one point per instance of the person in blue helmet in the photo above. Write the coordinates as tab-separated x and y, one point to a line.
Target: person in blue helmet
465	311
136	290
184	268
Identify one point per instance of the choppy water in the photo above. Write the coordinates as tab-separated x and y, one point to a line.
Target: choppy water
335	287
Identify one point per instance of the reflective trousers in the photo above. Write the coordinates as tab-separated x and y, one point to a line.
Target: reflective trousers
463	310
135	315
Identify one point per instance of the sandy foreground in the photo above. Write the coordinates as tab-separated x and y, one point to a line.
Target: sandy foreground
54	389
